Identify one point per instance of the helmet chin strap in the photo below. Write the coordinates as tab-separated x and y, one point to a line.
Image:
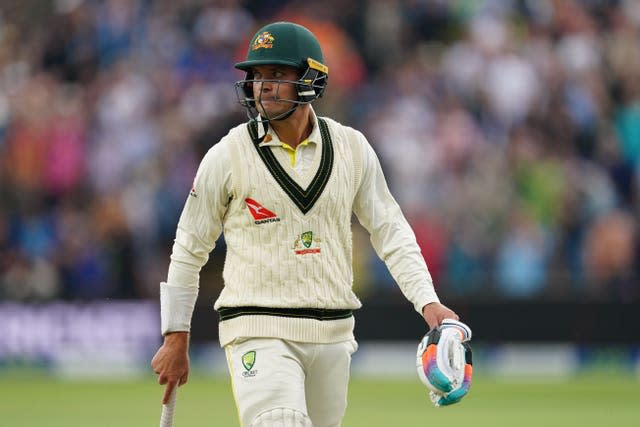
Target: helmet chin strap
281	116
254	114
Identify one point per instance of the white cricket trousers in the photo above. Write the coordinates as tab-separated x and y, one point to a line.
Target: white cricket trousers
289	383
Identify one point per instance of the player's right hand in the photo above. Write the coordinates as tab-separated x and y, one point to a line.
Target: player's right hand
171	362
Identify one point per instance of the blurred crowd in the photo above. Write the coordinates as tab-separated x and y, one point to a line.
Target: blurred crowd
509	131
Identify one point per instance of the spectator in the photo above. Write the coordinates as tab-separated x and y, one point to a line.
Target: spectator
508	130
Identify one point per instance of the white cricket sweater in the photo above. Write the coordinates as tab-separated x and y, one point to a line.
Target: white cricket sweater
288	237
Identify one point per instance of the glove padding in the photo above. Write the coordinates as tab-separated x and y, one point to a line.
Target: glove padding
444	362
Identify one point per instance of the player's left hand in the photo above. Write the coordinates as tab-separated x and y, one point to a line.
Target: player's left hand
434	313
444	362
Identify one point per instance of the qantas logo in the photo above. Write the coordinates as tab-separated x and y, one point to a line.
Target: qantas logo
260	214
193	193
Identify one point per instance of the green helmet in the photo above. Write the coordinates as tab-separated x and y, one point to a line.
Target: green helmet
285	43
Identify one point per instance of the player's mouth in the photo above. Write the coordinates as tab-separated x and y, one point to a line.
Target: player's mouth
269	100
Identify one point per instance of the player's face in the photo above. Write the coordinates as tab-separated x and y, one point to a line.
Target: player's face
273	97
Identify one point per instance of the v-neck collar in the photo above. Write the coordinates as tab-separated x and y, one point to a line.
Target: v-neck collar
304	198
282	151
272	140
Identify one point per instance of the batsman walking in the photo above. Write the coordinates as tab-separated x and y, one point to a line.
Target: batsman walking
282	188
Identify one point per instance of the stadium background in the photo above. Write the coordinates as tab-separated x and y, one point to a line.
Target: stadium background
509	131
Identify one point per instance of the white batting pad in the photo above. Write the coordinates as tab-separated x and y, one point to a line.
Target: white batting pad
282	417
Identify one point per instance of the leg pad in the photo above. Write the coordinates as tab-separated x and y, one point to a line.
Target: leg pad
282	417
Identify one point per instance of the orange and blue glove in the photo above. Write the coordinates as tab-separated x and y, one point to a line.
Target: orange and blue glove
444	362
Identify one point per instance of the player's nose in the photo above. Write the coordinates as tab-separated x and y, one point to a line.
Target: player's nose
266	86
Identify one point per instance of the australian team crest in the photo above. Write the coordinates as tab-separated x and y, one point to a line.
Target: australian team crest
248	360
263	41
307	243
307	238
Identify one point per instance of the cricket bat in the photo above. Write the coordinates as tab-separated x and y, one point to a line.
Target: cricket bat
168	409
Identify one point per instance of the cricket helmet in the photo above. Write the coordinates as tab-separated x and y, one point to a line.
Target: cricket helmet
285	43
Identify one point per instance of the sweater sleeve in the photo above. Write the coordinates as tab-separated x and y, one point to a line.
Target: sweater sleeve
199	227
391	235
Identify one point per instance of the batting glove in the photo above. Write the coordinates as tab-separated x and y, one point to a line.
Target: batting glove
444	362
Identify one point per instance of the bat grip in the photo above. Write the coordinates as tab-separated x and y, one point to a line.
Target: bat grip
168	409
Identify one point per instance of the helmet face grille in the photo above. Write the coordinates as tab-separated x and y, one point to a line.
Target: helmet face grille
309	88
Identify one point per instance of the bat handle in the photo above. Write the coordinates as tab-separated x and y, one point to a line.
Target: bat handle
168	409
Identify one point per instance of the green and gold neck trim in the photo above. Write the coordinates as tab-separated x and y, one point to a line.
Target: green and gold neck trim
304	199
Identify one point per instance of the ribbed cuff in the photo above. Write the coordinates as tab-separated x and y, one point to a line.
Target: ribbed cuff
176	307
